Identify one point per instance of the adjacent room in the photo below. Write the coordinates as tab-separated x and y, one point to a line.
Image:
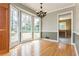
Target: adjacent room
39	29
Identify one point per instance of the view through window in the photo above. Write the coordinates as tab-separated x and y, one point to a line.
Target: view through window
23	27
26	27
14	26
62	25
37	27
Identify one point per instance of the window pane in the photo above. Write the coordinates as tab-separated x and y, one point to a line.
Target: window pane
26	27
62	25
13	26
37	27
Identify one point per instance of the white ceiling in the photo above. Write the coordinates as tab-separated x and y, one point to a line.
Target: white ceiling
48	7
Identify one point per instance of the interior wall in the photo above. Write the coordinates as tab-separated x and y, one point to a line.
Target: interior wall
77	19
76	33
49	23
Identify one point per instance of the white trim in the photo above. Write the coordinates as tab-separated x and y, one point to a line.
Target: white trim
22	10
75	49
57	28
50	40
62	8
71	24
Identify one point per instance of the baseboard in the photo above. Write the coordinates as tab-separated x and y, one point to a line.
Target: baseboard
50	40
77	33
75	49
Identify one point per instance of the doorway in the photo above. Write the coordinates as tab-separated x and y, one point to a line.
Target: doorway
65	27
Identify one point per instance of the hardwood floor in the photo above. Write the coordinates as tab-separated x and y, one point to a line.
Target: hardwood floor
42	48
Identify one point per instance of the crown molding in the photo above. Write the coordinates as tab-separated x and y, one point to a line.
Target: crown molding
62	8
22	9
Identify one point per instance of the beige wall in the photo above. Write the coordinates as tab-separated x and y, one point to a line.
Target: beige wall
77	19
49	22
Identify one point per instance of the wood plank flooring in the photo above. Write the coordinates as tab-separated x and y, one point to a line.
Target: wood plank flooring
42	48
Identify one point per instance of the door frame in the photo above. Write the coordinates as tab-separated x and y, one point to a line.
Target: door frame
62	13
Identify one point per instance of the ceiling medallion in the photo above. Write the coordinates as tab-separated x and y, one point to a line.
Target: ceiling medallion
41	13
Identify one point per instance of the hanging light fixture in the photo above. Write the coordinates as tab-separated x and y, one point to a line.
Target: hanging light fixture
41	13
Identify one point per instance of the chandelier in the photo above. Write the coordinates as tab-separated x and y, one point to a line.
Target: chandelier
41	13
